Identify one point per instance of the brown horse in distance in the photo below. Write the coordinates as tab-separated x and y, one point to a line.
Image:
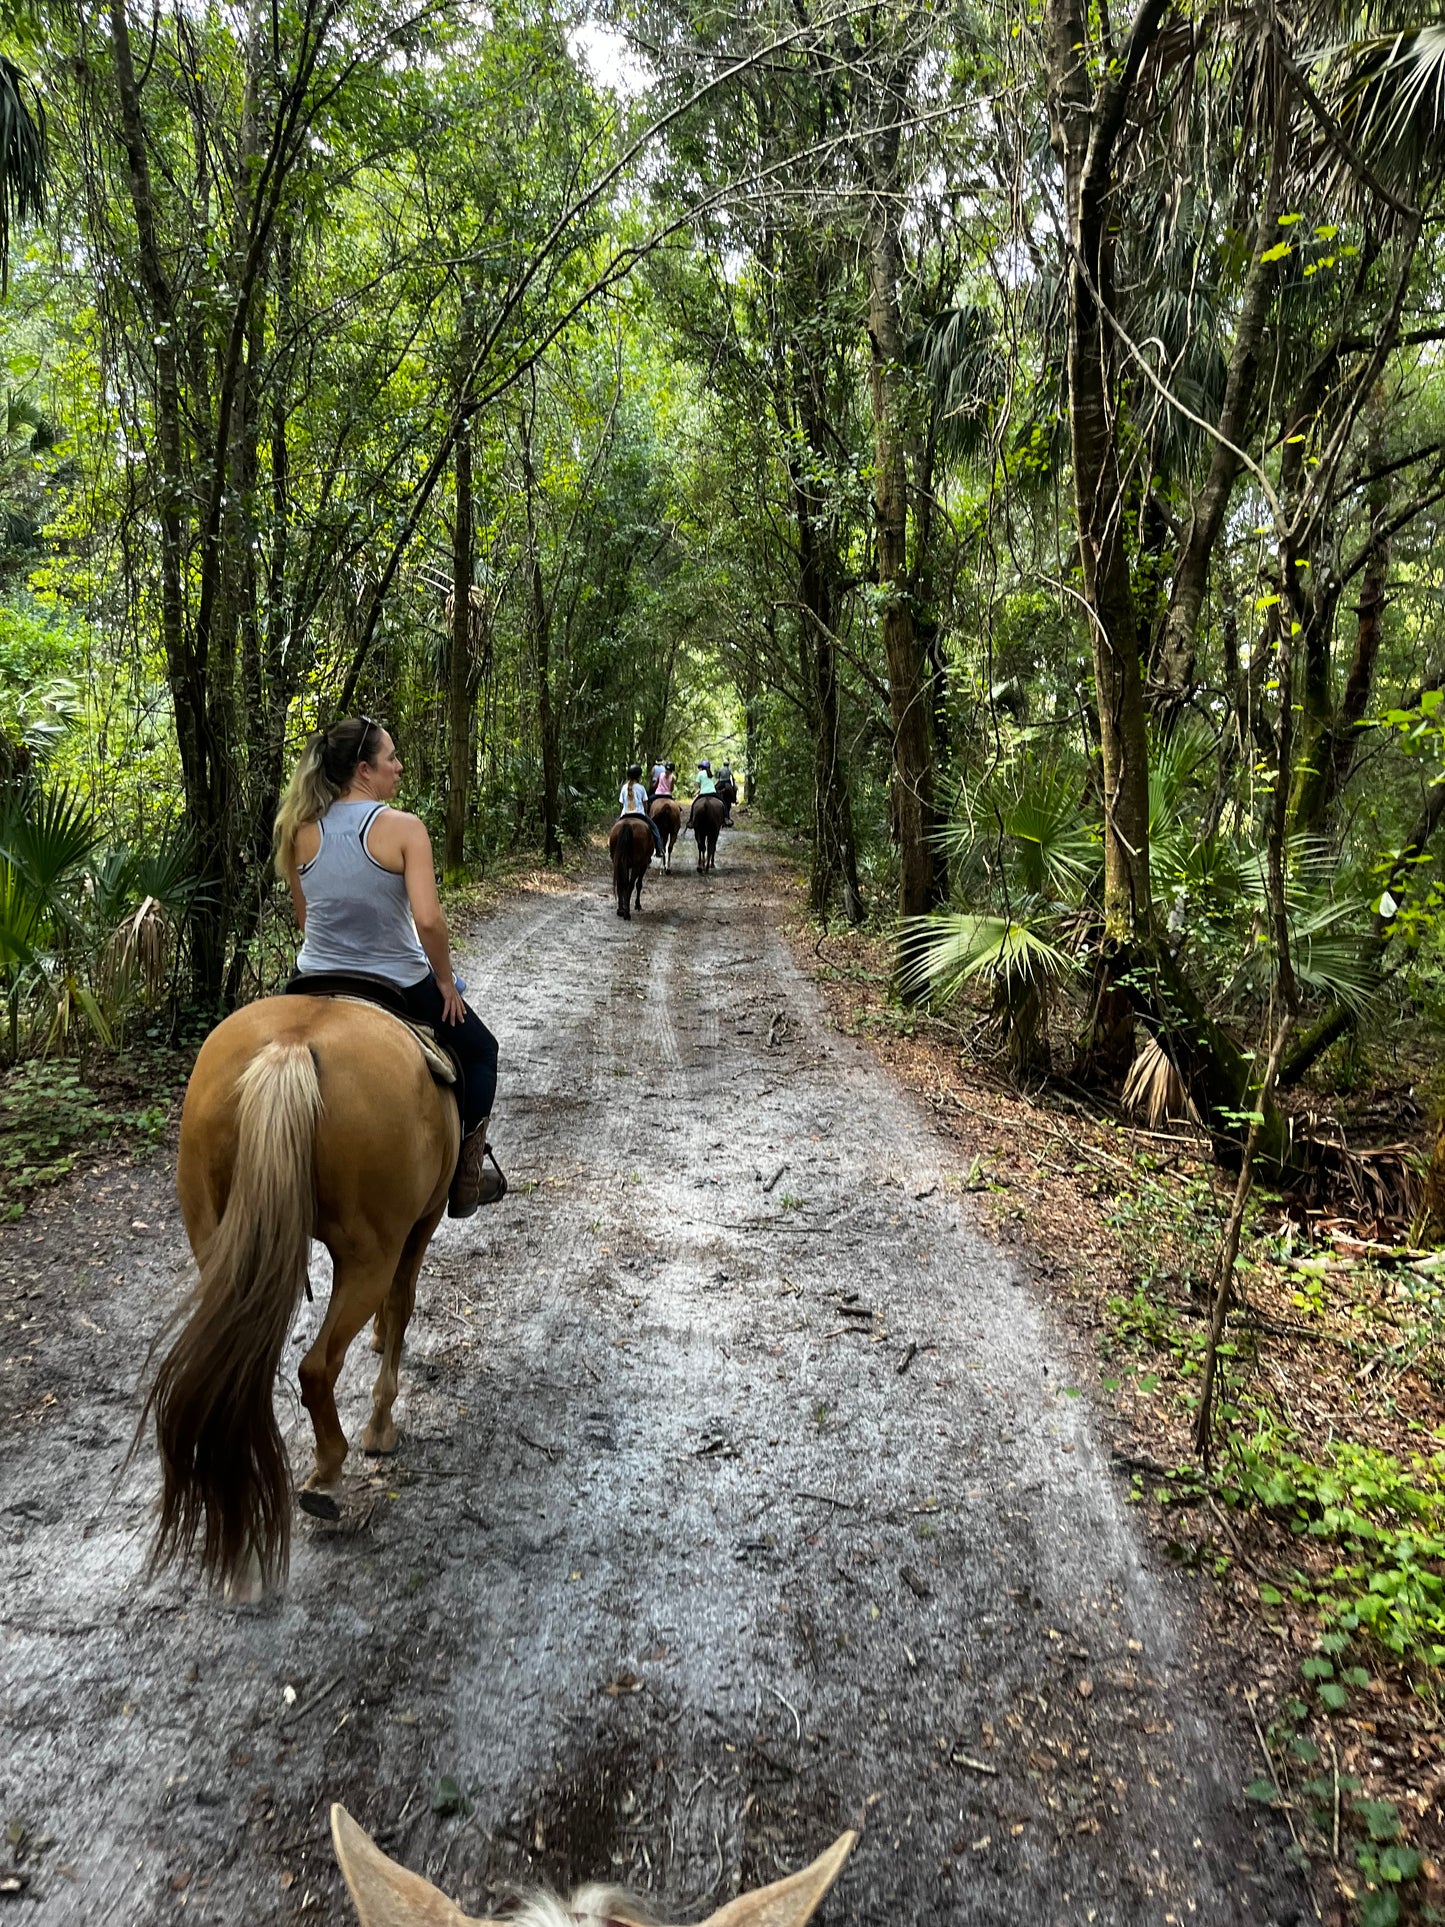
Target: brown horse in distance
304	1117
632	845
705	820
667	815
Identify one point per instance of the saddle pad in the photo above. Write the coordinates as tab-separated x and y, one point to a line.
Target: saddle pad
437	1061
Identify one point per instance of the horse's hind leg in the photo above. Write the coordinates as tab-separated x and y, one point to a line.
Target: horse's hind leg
357	1293
393	1319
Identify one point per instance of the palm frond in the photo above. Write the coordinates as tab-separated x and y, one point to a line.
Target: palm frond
140	952
23	158
47	834
1030	819
1154	1090
947	950
1173	762
959	354
1388	91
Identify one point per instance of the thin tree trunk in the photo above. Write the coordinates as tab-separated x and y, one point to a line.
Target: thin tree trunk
1191	577
1325	766
459	731
910	691
546	721
1204	1419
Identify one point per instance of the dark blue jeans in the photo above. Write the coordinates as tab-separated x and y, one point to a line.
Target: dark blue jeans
473	1043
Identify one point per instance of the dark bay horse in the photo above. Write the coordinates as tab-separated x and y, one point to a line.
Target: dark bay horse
667	815
304	1118
705	820
632	845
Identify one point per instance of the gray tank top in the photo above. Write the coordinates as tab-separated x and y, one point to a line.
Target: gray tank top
357	913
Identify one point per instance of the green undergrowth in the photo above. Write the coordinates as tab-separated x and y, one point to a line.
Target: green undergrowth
51	1117
1380	1519
1328	1482
1365	1519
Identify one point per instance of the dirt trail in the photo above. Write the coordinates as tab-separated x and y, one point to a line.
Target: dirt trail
740	1497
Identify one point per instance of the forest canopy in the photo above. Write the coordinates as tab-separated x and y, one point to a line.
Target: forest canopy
1009	435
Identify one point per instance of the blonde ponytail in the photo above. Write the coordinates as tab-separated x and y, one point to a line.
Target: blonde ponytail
309	795
327	765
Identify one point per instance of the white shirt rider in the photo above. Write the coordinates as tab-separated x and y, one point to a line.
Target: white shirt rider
633	799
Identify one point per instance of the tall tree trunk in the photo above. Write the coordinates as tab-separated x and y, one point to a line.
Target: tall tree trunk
910	684
835	858
204	773
1085	129
459	703
546	719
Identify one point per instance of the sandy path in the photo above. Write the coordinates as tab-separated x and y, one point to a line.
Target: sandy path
740	1498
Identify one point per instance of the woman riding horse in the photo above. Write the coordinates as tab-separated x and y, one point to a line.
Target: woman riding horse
311	1116
364	888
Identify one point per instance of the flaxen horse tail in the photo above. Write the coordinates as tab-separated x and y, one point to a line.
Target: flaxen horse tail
226	1477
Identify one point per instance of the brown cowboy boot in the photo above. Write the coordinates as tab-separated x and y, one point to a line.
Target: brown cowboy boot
474	1184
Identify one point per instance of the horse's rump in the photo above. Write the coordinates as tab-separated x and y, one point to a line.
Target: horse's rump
303	1118
632	845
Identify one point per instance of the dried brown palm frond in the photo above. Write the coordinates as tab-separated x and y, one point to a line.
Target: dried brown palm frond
139	952
1155	1091
1383	1187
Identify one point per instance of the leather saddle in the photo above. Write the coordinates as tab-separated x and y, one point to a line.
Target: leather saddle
356	987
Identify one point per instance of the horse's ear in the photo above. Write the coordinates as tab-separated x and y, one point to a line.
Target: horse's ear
386	1895
788	1903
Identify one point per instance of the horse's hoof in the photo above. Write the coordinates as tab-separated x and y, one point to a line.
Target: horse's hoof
319	1504
379	1444
245	1587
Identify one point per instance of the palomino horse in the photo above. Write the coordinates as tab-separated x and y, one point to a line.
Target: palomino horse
705	821
667	815
386	1895
632	845
304	1118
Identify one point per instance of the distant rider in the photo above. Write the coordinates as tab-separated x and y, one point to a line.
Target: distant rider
703	785
663	786
634	802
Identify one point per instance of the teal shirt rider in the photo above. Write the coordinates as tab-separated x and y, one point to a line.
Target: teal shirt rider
705	786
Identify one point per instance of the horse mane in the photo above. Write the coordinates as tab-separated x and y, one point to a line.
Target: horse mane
588	1907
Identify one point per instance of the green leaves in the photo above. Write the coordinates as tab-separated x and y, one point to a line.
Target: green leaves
946	950
1381	1818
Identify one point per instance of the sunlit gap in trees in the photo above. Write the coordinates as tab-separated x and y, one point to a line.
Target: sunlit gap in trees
608	58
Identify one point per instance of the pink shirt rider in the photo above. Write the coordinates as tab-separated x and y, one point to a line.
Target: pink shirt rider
664	783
